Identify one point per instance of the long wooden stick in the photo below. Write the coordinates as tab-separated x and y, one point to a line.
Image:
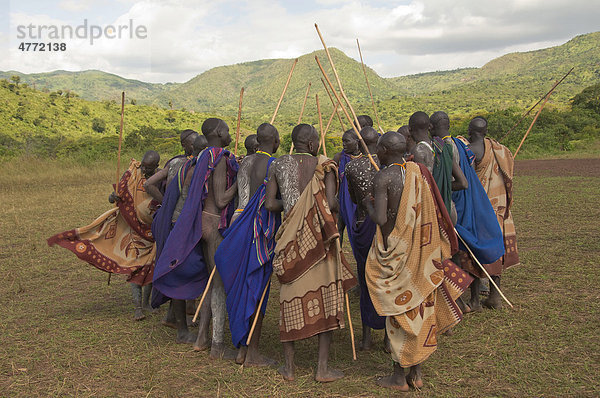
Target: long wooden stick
350	326
301	112
532	123
329	124
239	119
369	87
284	89
348	116
260	303
210	278
334	105
337	77
119	158
536	104
322	141
483	269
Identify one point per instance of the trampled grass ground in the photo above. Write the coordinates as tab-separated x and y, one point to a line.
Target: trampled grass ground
64	332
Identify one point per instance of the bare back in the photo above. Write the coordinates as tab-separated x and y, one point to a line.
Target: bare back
360	175
293	173
388	186
250	176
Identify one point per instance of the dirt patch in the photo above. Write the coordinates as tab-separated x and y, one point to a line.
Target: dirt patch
558	167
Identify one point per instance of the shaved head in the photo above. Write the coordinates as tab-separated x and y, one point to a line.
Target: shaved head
350	134
418	121
267	137
393	142
151	157
440	118
369	135
251	143
478	125
365	120
303	134
404	131
186	133
211	126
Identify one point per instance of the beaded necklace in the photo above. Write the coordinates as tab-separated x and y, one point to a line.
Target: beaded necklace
264	153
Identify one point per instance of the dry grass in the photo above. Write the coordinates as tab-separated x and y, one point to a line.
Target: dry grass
65	332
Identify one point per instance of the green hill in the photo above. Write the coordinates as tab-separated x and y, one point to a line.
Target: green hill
93	85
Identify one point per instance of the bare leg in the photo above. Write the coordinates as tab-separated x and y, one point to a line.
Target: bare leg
387	347
202	342
475	302
146	292
494	301
288	370
414	377
324	373
341	227
396	380
183	334
366	344
136	293
253	357
169	319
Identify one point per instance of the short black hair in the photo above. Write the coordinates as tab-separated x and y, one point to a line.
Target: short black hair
211	125
303	133
266	132
418	120
365	120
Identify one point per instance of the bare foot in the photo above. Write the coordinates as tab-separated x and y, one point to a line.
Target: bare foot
329	375
185	337
219	351
169	321
287	374
394	382
149	309
493	303
474	305
138	315
413	378
241	356
258	360
201	343
366	344
449	332
190	322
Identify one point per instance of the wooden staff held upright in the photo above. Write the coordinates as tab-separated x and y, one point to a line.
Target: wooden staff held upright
119	158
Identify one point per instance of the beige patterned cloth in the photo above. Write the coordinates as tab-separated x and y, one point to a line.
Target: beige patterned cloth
310	265
120	240
413	282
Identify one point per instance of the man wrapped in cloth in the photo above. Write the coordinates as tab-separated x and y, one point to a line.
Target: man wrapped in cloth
476	223
181	268
308	262
494	165
244	257
410	276
120	240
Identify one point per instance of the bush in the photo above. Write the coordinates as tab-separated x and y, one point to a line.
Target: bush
98	125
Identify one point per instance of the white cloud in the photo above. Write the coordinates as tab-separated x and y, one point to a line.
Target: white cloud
188	37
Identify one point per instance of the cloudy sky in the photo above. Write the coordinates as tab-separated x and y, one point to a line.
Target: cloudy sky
179	39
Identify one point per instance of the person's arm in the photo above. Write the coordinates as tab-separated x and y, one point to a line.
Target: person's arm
351	185
336	158
424	156
151	185
271	202
219	185
460	181
330	191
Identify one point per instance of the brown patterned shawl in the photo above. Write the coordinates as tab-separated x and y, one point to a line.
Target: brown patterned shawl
310	265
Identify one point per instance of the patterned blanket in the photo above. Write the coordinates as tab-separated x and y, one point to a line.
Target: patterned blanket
310	265
495	171
120	240
413	282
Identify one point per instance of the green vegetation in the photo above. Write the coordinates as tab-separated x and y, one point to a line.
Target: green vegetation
62	122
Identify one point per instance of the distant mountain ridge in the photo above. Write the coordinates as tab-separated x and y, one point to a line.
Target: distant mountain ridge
513	80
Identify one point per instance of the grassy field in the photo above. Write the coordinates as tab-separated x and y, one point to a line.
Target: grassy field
64	332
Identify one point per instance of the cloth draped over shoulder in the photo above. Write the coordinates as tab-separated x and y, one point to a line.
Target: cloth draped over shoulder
347	207
244	261
310	265
476	220
120	240
442	170
413	282
180	269
495	171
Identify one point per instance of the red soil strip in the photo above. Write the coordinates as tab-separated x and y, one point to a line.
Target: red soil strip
558	167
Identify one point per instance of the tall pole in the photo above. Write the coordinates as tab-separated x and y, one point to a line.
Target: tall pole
369	87
284	89
301	112
239	119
